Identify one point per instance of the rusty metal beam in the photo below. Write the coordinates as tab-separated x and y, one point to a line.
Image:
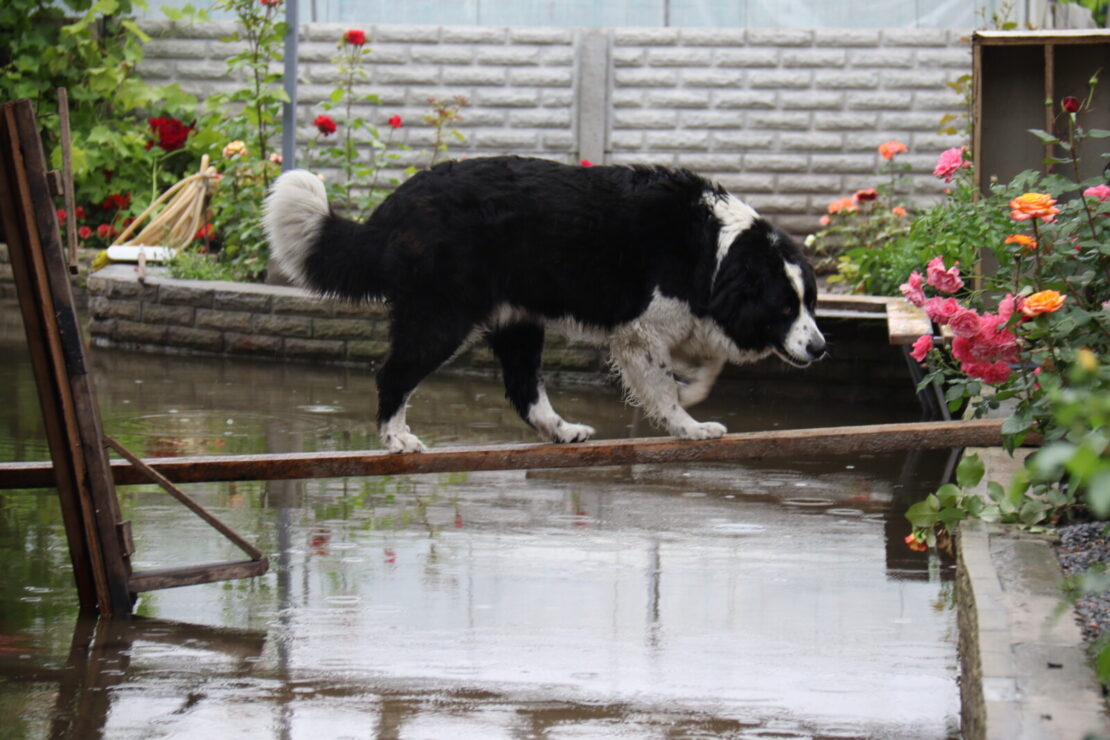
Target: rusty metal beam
789	443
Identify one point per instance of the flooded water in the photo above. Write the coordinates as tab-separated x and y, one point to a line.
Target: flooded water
765	600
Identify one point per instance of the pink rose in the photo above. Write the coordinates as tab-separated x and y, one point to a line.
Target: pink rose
941	310
993	343
913	290
921	347
994	335
949	161
965	323
1102	192
1008	305
994	373
946	281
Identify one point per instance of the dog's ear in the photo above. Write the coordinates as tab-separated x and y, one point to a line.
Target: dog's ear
735	302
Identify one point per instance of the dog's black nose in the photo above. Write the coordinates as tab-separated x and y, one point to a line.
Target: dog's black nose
816	348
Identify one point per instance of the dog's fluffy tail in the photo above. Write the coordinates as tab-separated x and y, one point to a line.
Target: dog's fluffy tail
314	247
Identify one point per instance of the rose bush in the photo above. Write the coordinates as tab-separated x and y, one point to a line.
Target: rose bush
1034	335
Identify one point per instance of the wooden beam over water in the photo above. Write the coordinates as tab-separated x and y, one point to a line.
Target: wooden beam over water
784	444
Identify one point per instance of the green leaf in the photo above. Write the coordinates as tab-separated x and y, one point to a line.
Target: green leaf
1044	136
974	505
1032	512
922	514
948	495
1098	493
1018	422
970	471
1049	461
138	32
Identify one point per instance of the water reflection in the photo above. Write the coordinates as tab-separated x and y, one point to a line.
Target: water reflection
643	601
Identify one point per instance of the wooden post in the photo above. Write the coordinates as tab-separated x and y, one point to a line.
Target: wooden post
89	505
99	540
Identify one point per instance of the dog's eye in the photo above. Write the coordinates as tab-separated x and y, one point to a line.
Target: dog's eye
787	310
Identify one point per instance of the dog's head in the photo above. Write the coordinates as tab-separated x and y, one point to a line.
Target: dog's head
764	294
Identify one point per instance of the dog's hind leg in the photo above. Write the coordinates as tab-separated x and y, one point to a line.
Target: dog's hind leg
519	348
416	350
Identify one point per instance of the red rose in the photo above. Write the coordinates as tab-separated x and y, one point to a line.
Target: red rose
1070	104
396	122
867	194
84	232
355	37
171	133
61	215
117	202
104	231
79	211
586	163
324	125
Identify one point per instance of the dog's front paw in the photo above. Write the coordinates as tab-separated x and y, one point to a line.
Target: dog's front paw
403	442
700	430
567	432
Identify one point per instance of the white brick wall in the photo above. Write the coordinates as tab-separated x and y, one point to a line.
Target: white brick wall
800	117
788	118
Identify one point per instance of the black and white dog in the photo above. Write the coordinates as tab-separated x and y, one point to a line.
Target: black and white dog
675	275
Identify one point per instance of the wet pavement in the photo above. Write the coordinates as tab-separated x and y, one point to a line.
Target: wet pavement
769	600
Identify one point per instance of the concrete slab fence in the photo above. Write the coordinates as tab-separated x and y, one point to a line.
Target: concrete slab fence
786	118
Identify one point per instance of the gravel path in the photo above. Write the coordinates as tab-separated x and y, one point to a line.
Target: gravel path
1082	545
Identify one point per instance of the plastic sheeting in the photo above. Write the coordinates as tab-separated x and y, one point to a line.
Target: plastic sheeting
955	14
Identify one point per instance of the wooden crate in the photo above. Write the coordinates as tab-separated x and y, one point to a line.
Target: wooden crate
1015	75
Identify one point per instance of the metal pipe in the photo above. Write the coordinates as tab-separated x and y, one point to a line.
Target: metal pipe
289	108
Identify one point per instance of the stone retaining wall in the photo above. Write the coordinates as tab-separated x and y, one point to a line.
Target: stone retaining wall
165	315
262	321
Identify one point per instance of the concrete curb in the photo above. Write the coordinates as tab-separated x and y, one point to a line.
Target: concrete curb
1024	665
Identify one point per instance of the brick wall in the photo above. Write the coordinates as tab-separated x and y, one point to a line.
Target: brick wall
786	118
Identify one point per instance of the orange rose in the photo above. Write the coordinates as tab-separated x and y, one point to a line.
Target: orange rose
844	204
914	544
1047	301
1033	205
898	211
1026	241
888	149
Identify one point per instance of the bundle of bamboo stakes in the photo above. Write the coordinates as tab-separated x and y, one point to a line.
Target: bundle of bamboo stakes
177	223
